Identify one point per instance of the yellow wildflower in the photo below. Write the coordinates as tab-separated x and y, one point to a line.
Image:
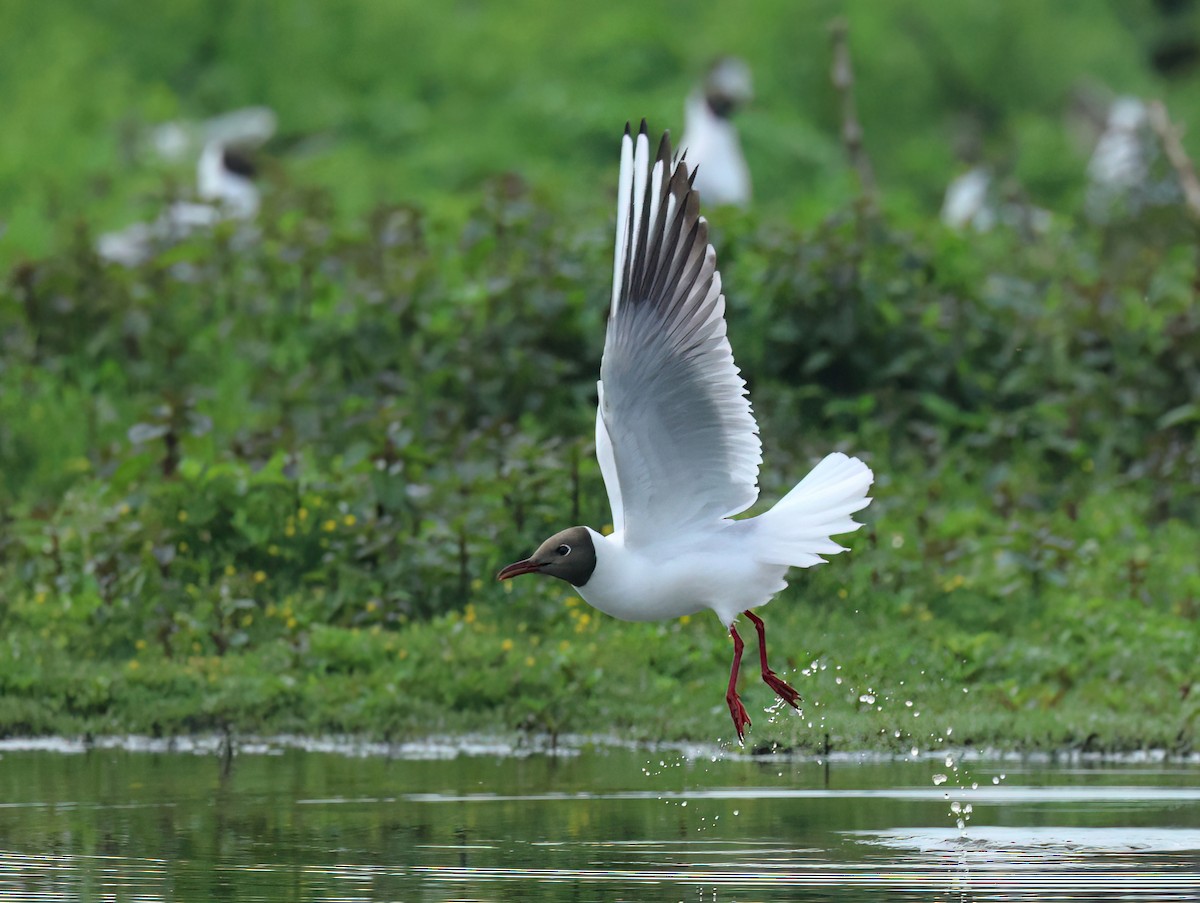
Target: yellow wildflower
954	583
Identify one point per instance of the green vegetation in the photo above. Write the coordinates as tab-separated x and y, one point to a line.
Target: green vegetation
264	486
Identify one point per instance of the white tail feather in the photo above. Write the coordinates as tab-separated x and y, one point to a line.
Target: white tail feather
797	530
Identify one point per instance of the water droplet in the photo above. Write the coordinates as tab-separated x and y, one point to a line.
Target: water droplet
939	779
914	752
684	804
908	703
838	681
995	780
949	761
974	785
736	812
867	698
968	809
956	807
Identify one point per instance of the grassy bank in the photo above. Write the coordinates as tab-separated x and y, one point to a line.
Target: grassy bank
263	481
266	496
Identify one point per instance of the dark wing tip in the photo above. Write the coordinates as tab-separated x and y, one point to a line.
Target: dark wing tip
664	152
627	132
643	130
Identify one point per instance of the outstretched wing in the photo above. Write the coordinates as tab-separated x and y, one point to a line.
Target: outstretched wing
675	436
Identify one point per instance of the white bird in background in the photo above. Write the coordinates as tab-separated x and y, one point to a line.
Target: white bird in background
975	201
1130	171
710	141
225	188
226	191
966	201
1119	162
677	442
225	178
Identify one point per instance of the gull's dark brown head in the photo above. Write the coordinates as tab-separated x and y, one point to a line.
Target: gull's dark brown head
568	555
728	86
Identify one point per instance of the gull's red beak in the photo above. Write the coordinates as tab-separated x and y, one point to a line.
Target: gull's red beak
517	568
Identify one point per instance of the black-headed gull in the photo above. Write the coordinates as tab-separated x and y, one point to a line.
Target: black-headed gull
1129	172
677	442
710	140
226	191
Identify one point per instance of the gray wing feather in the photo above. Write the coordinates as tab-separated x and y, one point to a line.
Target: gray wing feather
682	441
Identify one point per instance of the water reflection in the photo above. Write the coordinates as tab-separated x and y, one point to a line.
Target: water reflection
286	824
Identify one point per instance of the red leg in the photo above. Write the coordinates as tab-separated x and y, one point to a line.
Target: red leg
785	690
736	710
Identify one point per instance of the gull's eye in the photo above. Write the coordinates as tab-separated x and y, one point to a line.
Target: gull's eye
564	549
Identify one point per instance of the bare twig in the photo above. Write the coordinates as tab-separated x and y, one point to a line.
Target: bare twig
842	75
1168	135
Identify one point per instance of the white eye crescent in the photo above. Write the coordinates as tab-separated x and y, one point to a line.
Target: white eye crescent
564	549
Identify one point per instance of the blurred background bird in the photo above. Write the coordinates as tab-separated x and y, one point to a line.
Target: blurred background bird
710	139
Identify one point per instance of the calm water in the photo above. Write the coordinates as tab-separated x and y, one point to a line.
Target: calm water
437	823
